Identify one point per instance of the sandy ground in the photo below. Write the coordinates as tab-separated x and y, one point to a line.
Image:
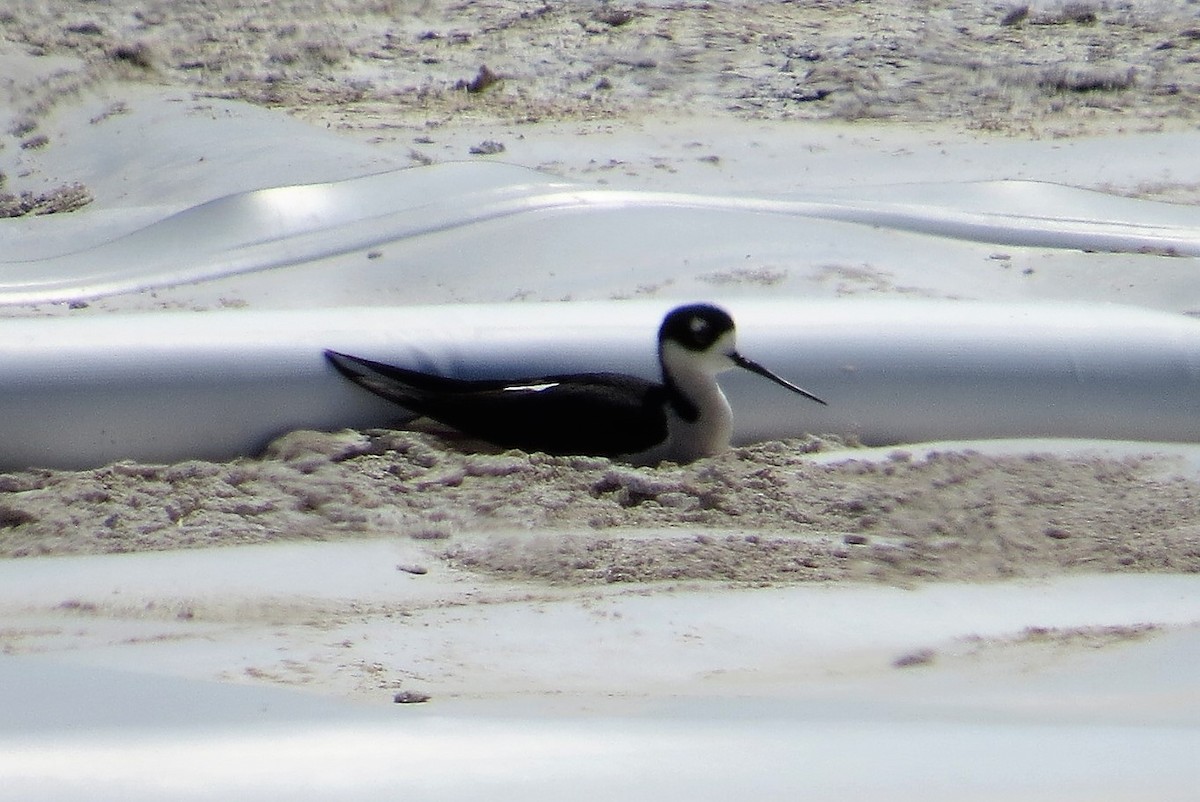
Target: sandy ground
757	515
1053	68
440	79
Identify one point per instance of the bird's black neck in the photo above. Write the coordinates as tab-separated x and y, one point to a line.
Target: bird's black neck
679	402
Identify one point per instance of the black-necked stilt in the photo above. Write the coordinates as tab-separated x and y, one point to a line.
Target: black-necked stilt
599	414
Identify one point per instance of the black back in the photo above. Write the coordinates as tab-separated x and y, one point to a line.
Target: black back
602	414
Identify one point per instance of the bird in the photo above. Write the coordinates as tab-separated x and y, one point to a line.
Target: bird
682	418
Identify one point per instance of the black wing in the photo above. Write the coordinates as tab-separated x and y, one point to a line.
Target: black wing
602	414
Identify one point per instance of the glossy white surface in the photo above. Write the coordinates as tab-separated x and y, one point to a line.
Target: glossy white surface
87	390
701	693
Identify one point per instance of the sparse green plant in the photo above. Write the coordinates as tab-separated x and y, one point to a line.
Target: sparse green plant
23	126
66	198
1086	79
1015	15
137	54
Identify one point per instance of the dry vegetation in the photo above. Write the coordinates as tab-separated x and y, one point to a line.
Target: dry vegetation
66	198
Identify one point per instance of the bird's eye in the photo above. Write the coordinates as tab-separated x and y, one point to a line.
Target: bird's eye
699	326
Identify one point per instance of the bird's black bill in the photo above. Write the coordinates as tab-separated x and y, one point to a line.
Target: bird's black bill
754	367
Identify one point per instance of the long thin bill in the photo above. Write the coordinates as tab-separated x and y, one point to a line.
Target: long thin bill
754	367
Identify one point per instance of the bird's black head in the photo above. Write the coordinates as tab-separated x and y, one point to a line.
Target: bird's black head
695	326
700	337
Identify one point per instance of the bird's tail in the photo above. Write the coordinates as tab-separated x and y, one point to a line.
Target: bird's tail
404	387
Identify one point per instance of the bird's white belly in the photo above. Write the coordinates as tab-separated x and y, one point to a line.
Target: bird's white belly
709	434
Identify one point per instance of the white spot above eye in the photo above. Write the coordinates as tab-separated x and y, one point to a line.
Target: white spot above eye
530	388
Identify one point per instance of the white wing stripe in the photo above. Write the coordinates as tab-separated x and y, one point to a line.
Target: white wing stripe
530	388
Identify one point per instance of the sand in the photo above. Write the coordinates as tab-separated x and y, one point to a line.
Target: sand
372	65
433	81
763	514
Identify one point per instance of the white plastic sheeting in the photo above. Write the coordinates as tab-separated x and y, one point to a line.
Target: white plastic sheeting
86	390
789	692
486	228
